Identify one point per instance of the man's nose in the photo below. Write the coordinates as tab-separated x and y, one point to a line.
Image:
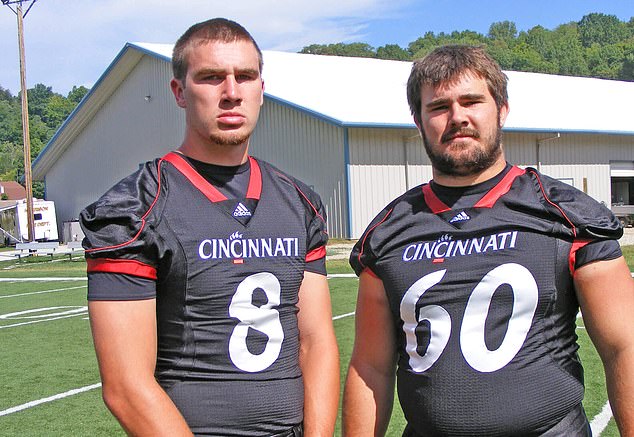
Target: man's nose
458	115
232	89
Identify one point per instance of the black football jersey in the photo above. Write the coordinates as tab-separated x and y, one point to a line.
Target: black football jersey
483	302
226	288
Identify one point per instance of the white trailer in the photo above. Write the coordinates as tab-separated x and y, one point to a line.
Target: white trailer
14	223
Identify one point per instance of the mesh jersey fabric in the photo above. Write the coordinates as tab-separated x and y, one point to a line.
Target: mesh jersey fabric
226	291
483	303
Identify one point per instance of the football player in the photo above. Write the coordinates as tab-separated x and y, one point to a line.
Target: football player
208	299
470	285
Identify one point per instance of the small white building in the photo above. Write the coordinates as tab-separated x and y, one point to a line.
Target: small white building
343	126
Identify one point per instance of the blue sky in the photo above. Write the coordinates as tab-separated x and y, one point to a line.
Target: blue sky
73	42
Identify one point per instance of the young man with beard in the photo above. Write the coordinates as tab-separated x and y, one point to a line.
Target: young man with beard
208	299
470	285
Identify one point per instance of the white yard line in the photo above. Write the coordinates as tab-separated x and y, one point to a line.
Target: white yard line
48	399
72	278
40	321
43	291
343	315
78	390
600	421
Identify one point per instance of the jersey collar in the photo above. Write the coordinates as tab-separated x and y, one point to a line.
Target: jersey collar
254	189
437	206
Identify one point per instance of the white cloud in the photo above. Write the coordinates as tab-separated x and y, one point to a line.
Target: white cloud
72	42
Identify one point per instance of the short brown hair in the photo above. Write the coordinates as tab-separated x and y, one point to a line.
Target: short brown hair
216	29
449	62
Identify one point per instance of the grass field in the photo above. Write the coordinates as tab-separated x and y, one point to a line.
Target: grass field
48	371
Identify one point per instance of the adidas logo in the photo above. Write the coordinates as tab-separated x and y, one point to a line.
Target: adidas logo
461	217
241	211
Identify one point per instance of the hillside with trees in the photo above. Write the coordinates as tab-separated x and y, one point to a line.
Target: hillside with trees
598	45
47	111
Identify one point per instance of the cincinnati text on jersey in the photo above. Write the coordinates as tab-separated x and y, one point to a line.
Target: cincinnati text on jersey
447	247
238	247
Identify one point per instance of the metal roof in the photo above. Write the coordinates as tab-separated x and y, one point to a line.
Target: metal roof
364	92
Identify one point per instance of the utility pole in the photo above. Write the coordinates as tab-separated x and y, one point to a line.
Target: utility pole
25	113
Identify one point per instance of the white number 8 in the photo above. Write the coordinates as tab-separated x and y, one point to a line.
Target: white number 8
265	319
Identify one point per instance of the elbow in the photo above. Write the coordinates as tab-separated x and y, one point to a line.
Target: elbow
114	399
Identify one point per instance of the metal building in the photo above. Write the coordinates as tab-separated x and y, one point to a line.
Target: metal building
342	125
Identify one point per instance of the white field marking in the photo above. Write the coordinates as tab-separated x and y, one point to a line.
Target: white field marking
48	399
71	278
600	421
42	320
82	389
343	315
43	291
342	275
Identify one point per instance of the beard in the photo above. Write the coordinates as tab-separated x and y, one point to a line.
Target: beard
466	162
230	139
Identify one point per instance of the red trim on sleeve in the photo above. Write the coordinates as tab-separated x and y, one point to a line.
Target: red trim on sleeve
316	254
156	196
539	181
433	202
302	194
369	271
194	177
500	189
572	256
365	237
123	266
255	180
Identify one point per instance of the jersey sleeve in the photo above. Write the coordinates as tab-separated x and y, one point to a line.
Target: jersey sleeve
317	232
589	218
600	250
120	238
363	255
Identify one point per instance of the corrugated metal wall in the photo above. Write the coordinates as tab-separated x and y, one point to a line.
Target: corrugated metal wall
386	162
377	170
309	149
127	130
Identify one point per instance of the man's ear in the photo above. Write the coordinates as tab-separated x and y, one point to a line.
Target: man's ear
418	125
504	112
178	91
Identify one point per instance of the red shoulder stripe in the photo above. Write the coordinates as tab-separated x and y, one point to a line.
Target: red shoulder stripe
500	189
123	266
433	202
255	180
196	179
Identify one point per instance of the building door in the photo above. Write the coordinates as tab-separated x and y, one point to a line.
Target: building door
622	182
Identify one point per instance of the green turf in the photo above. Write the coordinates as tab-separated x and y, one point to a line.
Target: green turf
51	357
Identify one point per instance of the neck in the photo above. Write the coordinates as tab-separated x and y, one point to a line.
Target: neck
217	154
467	181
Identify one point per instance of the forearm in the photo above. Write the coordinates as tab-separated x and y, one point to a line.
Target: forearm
320	369
620	385
144	409
367	402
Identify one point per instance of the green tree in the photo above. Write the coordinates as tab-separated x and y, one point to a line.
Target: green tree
355	49
394	52
503	30
76	94
602	29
